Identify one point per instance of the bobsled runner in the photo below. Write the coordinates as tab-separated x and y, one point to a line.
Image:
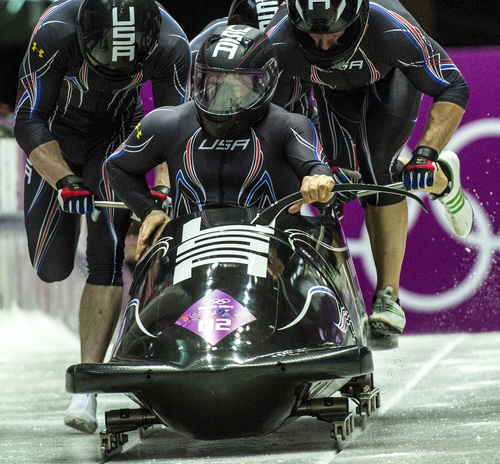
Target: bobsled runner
240	321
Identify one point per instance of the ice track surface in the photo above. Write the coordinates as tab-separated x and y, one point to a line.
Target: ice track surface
440	404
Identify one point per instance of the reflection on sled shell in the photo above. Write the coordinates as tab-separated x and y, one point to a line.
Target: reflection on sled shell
232	325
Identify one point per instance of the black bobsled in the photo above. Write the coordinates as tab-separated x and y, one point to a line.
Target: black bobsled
239	322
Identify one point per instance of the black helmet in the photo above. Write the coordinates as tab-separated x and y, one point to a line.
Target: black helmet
235	76
116	37
255	13
328	17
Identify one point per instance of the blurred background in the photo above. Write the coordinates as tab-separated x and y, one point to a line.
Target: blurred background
453	23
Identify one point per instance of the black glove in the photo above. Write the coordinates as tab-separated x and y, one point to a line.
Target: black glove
419	172
73	196
161	195
343	176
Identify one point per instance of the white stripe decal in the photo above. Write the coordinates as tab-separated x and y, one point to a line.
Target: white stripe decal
243	244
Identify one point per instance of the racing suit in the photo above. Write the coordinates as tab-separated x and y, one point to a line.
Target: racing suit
61	98
368	109
255	169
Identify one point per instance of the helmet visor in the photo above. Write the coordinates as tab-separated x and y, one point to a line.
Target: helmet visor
223	92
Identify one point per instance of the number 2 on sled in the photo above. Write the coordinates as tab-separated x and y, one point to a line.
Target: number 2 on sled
209	325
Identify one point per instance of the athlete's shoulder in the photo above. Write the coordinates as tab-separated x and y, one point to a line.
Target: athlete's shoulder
171	33
393	34
54	41
389	15
57	23
172	120
279	27
173	46
276	111
285	43
278	119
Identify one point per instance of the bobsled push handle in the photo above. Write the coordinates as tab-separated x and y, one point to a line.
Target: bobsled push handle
110	204
99	204
271	212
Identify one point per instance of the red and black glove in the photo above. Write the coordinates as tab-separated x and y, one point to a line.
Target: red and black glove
161	195
73	196
419	172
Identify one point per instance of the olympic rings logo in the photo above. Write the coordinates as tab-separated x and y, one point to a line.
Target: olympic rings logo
216	301
482	239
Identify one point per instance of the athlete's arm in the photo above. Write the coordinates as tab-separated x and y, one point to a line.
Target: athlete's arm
142	151
429	68
442	122
421	59
303	152
41	76
302	147
127	168
49	162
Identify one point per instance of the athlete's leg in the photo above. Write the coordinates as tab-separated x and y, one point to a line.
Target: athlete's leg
367	131
52	234
392	109
99	310
100	303
387	228
102	297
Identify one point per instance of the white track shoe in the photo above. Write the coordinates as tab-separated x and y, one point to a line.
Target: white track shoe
457	208
387	316
81	413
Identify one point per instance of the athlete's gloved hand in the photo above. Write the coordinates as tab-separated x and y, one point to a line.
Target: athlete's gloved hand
161	194
419	172
345	176
73	196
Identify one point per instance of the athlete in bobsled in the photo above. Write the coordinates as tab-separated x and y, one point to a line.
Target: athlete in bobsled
244	313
